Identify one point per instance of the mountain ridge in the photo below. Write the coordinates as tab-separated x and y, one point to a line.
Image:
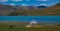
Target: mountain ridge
29	10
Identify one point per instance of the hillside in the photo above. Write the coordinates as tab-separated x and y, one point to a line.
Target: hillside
53	10
8	10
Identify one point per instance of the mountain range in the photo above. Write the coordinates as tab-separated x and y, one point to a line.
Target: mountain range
9	10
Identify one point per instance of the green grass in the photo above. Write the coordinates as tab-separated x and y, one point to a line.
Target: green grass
5	27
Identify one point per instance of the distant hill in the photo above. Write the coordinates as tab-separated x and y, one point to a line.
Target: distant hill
29	10
53	10
6	9
42	6
58	4
55	7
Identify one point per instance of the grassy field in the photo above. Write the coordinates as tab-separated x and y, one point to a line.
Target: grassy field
21	27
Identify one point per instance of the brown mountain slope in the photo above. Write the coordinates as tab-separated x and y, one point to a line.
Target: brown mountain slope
53	10
6	9
55	7
11	11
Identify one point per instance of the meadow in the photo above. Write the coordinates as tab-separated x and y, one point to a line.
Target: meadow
5	26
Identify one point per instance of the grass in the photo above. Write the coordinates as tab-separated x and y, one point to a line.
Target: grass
21	27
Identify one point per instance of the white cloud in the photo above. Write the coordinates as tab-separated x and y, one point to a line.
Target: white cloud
16	0
3	0
12	4
19	0
24	4
43	4
42	0
27	0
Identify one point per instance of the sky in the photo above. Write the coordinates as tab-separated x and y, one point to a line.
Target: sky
29	2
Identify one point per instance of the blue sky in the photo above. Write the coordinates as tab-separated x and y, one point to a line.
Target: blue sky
29	2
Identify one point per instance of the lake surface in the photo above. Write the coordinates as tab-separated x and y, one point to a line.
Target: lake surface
29	18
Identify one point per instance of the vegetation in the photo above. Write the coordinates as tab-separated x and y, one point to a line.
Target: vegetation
21	27
36	12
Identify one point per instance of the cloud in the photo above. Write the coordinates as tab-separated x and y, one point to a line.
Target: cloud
43	4
3	0
16	0
42	0
24	4
27	0
12	4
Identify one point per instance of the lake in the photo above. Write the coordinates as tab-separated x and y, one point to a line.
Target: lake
29	18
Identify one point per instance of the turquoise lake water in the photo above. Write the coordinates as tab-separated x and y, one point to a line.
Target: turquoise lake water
29	18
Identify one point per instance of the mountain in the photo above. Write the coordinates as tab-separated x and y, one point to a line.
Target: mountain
42	6
31	7
6	9
55	7
53	10
58	4
29	10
